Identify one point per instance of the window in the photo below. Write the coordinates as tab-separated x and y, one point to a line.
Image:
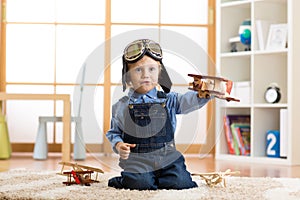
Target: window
48	41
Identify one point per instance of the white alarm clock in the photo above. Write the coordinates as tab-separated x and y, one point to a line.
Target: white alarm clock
272	94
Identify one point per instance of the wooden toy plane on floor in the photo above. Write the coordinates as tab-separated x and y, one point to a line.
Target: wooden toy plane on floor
214	178
80	174
208	86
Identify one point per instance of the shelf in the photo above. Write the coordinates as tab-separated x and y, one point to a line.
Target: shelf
256	52
271	1
236	54
251	159
241	3
275	52
260	105
236	105
264	105
262	68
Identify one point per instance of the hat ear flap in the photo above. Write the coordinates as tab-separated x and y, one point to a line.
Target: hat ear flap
124	71
164	79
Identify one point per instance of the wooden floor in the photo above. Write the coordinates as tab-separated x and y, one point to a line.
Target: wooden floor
195	164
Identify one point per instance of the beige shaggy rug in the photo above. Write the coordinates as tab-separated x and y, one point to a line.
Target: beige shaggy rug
28	184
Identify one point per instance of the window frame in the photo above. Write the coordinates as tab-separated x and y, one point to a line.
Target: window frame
107	84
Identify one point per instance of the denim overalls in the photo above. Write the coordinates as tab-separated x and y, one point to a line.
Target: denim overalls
154	163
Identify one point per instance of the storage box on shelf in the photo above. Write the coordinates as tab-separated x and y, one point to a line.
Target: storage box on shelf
253	72
242	90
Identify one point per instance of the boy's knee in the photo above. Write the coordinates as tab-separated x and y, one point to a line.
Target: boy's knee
176	182
178	185
115	182
138	181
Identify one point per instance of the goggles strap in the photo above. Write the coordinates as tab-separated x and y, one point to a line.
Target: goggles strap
124	71
164	79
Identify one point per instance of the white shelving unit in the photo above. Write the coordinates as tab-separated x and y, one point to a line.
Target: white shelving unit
260	68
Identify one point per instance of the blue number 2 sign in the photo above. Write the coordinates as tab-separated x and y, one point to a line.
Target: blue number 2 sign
273	143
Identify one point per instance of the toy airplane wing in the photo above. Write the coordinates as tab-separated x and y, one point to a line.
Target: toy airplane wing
228	172
228	98
211	92
92	168
198	76
81	167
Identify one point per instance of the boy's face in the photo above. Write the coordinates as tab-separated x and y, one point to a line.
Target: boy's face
143	75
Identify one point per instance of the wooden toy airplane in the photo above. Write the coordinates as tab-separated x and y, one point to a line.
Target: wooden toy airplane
208	86
214	178
81	174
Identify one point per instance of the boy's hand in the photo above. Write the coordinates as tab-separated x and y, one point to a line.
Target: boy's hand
124	149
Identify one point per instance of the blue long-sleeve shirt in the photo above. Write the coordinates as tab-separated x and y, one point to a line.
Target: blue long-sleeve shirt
176	104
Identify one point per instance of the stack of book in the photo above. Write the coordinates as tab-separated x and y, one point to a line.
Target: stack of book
237	132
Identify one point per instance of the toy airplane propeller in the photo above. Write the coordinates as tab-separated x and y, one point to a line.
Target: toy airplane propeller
208	86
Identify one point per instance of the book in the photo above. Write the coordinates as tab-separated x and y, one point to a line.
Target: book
232	135
242	132
239	119
262	30
283	133
228	135
238	146
245	132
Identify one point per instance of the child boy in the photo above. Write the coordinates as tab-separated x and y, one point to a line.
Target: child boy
143	123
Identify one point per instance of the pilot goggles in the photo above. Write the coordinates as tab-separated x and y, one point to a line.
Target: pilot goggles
137	49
